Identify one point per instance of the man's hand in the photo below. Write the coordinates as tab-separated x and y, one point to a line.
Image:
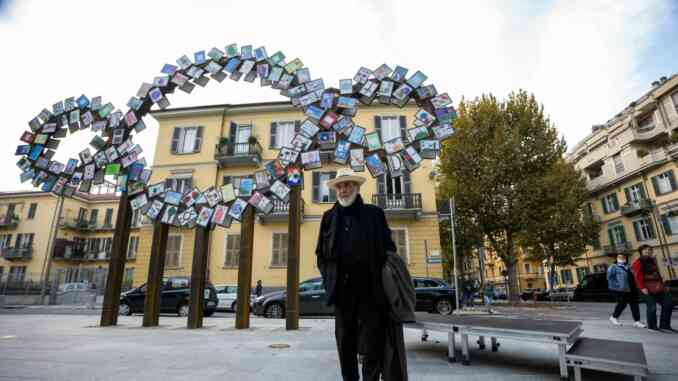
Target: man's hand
644	291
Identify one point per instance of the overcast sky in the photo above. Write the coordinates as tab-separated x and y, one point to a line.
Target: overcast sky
584	60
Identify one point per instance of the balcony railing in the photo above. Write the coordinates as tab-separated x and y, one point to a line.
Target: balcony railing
18	253
654	157
280	212
68	252
407	205
636	207
9	221
648	133
620	248
238	154
87	226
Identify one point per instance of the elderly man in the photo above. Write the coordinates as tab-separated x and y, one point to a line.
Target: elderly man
352	244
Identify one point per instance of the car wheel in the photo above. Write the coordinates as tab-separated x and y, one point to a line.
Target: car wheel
124	309
444	307
275	311
183	310
234	306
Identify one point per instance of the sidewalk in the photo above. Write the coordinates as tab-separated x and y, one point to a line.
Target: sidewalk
73	347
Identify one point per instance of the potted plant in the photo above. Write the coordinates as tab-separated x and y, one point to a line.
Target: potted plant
223	141
252	139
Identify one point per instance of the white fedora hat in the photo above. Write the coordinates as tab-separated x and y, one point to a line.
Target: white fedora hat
344	175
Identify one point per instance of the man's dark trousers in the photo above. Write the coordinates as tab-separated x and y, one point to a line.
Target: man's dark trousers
651	300
359	329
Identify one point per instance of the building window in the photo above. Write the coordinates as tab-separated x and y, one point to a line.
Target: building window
16	274
24	240
643	229
617	234
527	268
135	222
646	123
399	237
279	254
181	184
173	256
581	273
321	192
82	215
128	279
5	240
108	220
186	140
664	183
618	163
232	250
634	193
94	214
610	203
674	97
282	134
390	128
235	180
32	209
670	223
601	268
566	276
133	247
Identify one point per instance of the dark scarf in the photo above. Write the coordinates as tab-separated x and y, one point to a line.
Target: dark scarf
648	265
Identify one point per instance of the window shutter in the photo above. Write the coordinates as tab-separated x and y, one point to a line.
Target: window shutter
649	223
175	139
377	126
615	201
381	184
316	186
611	236
602	200
188	184
628	195
672	180
655	185
233	130
227	180
623	233
198	140
30	240
333	193
274	130
641	187
636	229
407	181
297	126
666	224
403	127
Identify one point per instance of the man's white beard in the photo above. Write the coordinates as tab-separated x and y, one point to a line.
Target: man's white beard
346	202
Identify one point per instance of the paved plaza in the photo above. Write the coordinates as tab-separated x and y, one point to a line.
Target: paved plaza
54	344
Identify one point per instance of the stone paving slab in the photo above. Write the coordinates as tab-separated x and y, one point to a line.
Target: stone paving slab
73	347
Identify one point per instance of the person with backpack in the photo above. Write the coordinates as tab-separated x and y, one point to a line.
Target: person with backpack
650	283
622	286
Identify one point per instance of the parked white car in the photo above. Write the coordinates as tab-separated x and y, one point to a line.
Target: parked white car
227	295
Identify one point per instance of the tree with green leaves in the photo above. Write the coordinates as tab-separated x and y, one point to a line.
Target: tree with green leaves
557	227
491	164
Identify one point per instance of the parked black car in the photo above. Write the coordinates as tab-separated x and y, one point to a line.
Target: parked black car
173	298
593	288
433	295
528	294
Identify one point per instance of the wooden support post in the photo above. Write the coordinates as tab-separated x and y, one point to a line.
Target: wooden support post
242	313
116	266
155	272
196	302
293	246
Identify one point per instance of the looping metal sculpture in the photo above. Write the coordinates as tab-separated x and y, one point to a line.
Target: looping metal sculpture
328	126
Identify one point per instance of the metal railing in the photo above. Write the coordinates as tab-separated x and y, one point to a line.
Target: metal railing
397	201
238	149
9	221
16	252
619	248
632	208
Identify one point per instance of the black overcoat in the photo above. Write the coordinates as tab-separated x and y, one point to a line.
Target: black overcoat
375	240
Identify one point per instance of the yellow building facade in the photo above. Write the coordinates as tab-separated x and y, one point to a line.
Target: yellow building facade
630	167
191	152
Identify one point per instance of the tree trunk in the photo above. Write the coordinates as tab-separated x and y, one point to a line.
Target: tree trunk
513	282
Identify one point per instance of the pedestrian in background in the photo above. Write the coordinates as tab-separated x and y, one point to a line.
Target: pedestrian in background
259	289
651	285
488	295
622	286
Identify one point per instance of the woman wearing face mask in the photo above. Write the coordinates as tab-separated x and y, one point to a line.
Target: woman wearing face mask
623	287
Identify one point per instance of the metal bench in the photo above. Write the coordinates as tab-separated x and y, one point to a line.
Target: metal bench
608	355
560	333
